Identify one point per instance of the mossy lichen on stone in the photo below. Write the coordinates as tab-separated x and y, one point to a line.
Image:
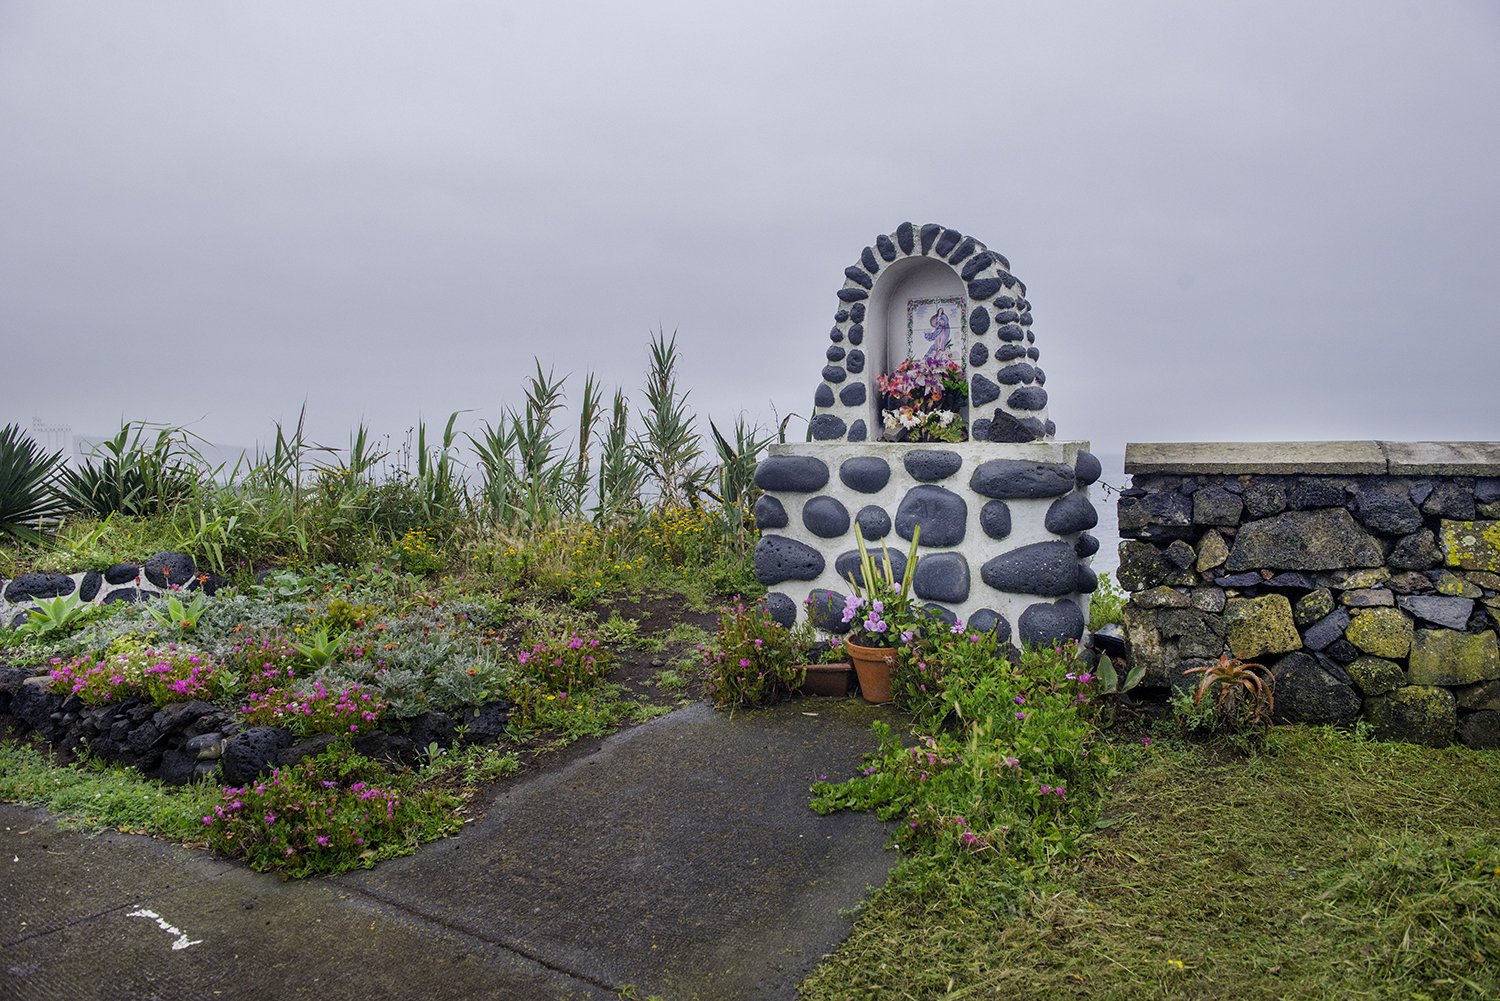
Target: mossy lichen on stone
1471	545
1258	626
1448	657
1416	714
1382	632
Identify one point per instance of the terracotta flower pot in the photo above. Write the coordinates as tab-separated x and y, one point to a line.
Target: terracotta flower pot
873	665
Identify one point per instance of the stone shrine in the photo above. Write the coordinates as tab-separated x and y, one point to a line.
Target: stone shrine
1003	508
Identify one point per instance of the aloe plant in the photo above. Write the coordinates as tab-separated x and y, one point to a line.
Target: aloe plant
27	477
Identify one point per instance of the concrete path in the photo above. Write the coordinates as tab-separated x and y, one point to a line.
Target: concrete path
680	860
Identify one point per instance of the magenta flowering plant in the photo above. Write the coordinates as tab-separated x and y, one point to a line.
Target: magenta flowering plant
308	708
126	669
565	662
753	660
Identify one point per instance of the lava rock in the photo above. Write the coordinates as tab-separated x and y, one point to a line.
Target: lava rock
1264	498
167	569
823	395
1418	551
88	588
930	464
27	586
858	431
886	247
1306	693
1087	468
1326	630
855	363
177	767
1307	492
782	609
834	353
1045	568
1012	479
1451	499
979	321
1386	511
484	724
942	577
432	727
1004	427
778	558
859	278
1304	540
251	751
929	234
1216	506
1448	658
1042	624
1383	632
834	373
873	522
1376	676
1086	545
857	332
1015	375
769	513
130	594
1416	714
827	427
852	395
987	620
1069	514
942	514
867	474
1481	730
1027	398
826	517
1440	610
904	233
1257	626
121	573
982	391
826	610
379	745
792	473
994	519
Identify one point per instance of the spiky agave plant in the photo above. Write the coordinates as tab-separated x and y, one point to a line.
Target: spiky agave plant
1243	692
27	476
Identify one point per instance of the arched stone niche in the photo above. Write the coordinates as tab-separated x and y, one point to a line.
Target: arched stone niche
879	321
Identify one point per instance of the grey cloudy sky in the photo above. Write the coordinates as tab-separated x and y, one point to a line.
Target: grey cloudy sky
1268	220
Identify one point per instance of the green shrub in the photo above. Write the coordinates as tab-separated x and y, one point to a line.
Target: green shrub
1107	604
752	660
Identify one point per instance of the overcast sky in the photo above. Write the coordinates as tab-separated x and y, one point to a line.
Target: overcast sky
1248	221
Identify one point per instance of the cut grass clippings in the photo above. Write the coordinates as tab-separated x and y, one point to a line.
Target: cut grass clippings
1325	867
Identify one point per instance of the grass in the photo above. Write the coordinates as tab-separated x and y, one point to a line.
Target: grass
1325	867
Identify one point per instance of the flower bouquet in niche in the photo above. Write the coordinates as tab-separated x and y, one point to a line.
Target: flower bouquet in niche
924	400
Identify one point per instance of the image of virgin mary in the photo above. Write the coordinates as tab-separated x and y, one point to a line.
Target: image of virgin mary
939	335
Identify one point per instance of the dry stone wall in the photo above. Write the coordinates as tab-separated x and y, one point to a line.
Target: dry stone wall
1366	575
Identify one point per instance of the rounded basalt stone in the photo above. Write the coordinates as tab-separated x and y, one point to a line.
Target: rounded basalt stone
1012	479
1049	429
886	247
987	620
857	313
1013	375
826	517
966	247
848	563
834	373
128	594
778	559
1073	513
19	619
873	522
866	473
827	427
976	264
801	474
946	242
836	335
769	513
209	583
979	320
867	260
1086	546
942	515
858	431
1007	316
979	430
251	751
994	519
38	585
1088	581
121	573
1046	568
782	609
841	316
834	353
982	391
1009	352
1011	332
825	609
823	395
852	395
857	334
984	288
88	588
855	363
1086	468
853	294
1033	354
942	577
1047	625
166	569
930	464
929	234
978	355
1027	398
946	616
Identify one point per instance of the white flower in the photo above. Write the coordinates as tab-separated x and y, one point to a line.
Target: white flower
945	417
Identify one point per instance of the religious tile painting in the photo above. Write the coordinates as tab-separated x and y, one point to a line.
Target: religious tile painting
937	328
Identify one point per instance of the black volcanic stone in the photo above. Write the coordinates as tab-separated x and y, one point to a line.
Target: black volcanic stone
1216	506
1086	468
1027	398
1041	377
886	247
1007	316
847	564
1451	499
932	464
979	430
823	395
1441	610
1088	581
873	522
781	608
904	237
1003	302
1025	319
1045	568
858	277
857	312
1046	625
834	353
1291	581
1011	332
1012	375
826	610
827	427
1309	492
166	569
1086	546
942	577
250	752
778	558
1327	629
942	514
929	234
1264	498
841	316
1386	512
987	620
825	516
858	431
1071	513
855	362
1418	551
129	594
946	242
1487	490
121	573
853	294
866	473
836	335
88	588
1006	428
769	513
984	288
978	355
981	261
1009	352
38	585
1050	428
796	473
868	261
857	334
982	391
1306	693
994	519
946	616
851	395
1250	579
962	251
1010	479
979	321
1033	354
834	373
